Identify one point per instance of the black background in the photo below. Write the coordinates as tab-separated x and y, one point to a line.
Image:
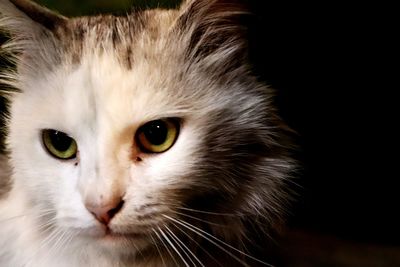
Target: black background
328	65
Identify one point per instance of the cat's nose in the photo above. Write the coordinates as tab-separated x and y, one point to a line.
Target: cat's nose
106	211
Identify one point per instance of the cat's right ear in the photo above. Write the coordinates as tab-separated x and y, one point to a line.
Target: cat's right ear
214	29
25	19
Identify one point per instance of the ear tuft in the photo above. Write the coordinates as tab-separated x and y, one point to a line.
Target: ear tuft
18	16
39	14
33	43
214	26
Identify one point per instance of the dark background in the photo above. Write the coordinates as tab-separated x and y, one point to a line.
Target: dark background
327	64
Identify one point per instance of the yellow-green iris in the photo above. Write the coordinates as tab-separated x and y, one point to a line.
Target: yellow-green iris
59	144
157	136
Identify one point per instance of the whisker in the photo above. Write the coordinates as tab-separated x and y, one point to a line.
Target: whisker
197	243
166	247
208	212
127	243
158	249
39	228
173	246
71	237
201	220
61	244
184	247
180	247
41	213
42	228
137	249
210	238
43	243
58	243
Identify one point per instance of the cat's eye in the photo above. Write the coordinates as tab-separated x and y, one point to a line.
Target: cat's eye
59	144
158	136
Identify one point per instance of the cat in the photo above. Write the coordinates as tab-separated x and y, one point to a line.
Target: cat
138	140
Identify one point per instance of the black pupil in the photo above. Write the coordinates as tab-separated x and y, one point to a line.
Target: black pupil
156	132
60	141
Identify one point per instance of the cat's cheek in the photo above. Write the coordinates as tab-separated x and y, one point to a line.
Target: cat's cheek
71	215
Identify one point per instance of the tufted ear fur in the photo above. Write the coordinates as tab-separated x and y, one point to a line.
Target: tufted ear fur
32	44
17	15
214	28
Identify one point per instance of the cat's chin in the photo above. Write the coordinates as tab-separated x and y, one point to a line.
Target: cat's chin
111	236
109	239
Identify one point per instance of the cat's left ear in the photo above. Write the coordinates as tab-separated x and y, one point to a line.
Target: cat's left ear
33	32
26	17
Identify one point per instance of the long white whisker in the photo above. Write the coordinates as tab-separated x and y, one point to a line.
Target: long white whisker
211	237
179	243
208	212
184	248
45	227
158	249
166	247
127	243
42	214
173	246
197	243
70	238
44	242
174	239
59	242
40	228
211	241
37	215
201	220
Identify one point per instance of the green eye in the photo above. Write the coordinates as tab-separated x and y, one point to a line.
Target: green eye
59	144
157	136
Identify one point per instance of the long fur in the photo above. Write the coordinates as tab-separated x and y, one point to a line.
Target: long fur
5	173
98	79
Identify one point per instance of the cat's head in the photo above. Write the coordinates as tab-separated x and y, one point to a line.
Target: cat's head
126	128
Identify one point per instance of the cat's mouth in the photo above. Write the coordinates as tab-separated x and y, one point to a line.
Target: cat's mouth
111	240
112	235
108	234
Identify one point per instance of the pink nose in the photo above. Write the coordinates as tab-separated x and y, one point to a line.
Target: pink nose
105	213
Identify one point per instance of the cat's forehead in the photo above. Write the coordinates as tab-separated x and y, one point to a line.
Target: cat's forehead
134	64
148	64
125	36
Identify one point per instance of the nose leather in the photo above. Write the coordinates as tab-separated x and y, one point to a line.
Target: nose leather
104	212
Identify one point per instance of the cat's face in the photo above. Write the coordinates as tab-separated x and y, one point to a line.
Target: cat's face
216	144
102	105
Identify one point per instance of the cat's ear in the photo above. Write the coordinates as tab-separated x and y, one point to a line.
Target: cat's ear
33	43
214	28
26	17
